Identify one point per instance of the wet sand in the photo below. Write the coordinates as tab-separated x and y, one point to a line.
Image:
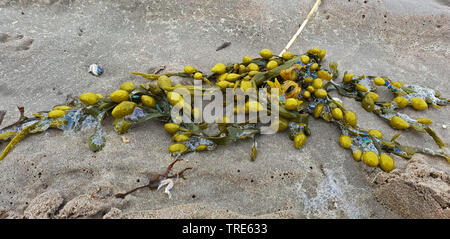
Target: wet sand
46	48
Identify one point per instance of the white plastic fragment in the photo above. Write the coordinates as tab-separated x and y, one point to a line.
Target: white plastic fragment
95	69
169	183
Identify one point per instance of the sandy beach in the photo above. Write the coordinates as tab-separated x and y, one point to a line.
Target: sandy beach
47	46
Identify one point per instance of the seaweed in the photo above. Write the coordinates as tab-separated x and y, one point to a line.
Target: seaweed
299	86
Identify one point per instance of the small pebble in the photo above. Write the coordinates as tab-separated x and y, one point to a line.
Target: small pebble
125	140
223	46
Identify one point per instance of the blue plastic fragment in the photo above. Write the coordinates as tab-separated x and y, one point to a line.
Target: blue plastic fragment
95	69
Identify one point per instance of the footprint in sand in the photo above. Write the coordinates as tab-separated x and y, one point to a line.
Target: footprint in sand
16	42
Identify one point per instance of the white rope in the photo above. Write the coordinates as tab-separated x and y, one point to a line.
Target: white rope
313	10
